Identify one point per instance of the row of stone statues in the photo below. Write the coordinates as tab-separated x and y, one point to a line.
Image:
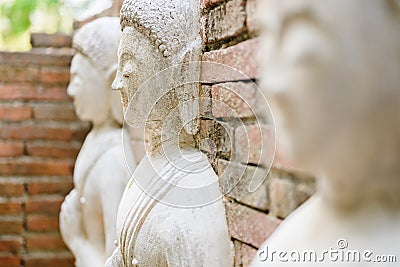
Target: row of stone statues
330	70
89	213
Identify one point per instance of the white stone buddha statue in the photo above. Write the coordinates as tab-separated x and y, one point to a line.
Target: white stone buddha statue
88	214
331	74
171	213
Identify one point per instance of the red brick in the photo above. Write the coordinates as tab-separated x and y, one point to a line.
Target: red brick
248	225
17	91
11	227
44	206
18	74
251	18
10	208
287	193
59	112
10	244
236	100
205	101
239	62
225	21
42	223
52	93
248	254
42	132
37	167
10	261
54	75
237	248
15	113
243	254
50	40
215	138
281	162
36	58
235	180
52	150
49	260
11	189
255	144
14	91
44	242
39	188
11	149
79	134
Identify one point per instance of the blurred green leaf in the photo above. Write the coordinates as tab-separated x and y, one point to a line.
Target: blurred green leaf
19	14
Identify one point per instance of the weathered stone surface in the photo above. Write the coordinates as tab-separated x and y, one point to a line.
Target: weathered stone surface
224	21
135	133
219	136
205	101
210	3
101	159
138	150
175	186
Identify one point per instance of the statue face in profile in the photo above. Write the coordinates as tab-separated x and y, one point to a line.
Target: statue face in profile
138	61
92	70
87	88
329	84
156	48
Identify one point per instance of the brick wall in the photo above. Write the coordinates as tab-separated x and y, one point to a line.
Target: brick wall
229	35
40	137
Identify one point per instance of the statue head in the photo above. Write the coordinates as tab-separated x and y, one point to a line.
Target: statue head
331	74
155	37
93	69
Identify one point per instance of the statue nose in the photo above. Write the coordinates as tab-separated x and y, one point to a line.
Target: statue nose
71	90
117	83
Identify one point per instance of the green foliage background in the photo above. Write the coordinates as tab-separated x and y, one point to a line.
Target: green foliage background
20	11
16	21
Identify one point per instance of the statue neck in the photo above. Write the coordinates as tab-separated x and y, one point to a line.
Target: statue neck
109	123
163	137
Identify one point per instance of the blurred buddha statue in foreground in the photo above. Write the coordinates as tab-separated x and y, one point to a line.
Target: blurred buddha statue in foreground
171	213
331	73
88	214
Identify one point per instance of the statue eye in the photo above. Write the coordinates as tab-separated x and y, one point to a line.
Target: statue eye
127	70
304	45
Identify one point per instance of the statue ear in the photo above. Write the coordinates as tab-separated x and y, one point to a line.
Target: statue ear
187	78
